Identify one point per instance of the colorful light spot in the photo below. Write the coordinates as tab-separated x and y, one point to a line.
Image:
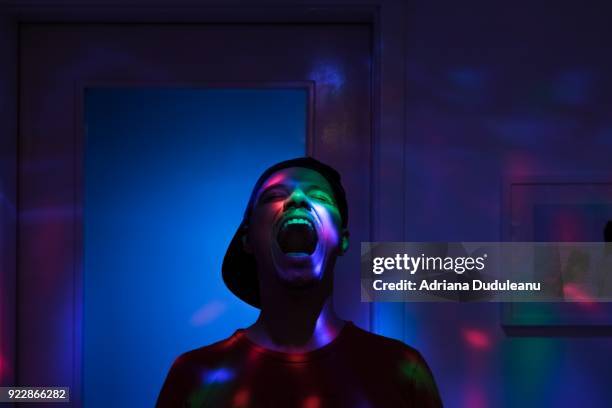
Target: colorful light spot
329	75
312	401
476	339
296	357
575	293
323	333
208	313
415	372
216	376
278	178
241	398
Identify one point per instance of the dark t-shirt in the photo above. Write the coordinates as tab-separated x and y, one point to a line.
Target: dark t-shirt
357	369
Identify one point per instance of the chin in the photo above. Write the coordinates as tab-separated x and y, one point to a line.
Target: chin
298	279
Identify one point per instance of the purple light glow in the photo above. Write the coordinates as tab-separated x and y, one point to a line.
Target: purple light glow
329	75
323	333
329	235
475	397
208	313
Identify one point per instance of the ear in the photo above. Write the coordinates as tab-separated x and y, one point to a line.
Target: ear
246	244
344	241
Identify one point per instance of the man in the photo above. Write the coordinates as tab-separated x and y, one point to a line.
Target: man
298	353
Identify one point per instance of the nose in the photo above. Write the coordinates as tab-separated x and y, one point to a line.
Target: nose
297	199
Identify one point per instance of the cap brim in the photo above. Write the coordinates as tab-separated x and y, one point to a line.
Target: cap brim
239	271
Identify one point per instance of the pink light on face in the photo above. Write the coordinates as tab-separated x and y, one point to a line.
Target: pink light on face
476	339
312	402
275	179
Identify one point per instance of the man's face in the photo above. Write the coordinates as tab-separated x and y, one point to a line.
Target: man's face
295	227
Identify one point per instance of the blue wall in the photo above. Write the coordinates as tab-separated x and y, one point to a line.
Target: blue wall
168	173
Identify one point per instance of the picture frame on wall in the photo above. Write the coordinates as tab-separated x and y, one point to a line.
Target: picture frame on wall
560	208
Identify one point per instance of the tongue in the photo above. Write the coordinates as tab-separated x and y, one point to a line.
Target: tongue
297	239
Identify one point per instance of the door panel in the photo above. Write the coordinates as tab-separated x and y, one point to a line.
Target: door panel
168	173
58	62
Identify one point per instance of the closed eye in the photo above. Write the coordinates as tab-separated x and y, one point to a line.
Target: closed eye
272	197
320	196
273	194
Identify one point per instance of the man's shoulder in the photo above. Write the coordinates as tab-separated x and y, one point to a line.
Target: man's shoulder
188	369
404	363
209	354
379	344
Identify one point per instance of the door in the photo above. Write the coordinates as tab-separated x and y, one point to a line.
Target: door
63	66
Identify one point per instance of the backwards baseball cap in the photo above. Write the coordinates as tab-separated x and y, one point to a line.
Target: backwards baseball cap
239	267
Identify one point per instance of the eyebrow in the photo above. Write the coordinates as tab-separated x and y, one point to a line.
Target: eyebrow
309	186
272	187
281	186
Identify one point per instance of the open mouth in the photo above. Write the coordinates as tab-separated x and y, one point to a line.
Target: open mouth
297	236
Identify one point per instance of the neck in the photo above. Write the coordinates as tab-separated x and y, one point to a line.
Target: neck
296	325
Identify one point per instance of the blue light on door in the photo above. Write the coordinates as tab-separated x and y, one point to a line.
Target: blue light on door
167	176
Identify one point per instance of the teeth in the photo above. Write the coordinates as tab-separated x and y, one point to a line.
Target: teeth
297	221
